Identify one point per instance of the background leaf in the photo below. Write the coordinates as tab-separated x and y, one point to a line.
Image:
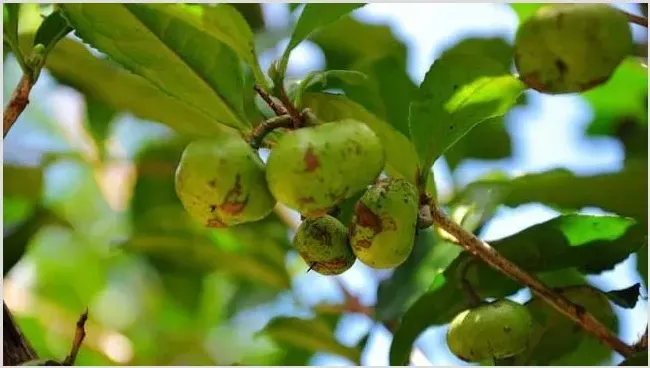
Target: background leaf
313	17
10	31
319	80
627	190
524	11
400	154
627	297
459	91
166	45
105	82
588	243
309	334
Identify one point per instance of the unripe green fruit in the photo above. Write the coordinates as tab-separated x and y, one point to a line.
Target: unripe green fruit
382	230
313	169
323	244
499	329
566	48
221	182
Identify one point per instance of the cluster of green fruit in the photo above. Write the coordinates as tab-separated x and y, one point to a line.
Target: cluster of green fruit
223	182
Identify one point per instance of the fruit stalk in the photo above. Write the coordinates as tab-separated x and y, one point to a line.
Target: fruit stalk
18	102
489	255
277	109
257	135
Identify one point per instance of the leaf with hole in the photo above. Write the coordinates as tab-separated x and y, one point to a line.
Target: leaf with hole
171	47
313	335
400	153
590	244
459	91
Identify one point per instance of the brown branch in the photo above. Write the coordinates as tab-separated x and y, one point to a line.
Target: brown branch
277	109
293	111
18	102
80	334
642	21
15	348
257	135
490	256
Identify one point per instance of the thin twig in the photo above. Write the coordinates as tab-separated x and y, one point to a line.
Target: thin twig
257	135
277	109
490	256
636	19
293	111
80	334
18	102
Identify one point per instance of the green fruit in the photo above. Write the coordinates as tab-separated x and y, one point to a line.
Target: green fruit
313	169
323	244
565	48
221	182
382	230
499	329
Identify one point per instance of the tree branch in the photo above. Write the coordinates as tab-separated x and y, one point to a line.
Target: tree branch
15	348
277	109
257	135
489	255
642	21
18	102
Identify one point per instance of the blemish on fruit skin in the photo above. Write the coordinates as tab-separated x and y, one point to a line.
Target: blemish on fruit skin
363	243
366	218
233	204
311	160
215	223
212	183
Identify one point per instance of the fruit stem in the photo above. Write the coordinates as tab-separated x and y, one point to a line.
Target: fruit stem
18	102
489	255
472	296
636	19
257	136
293	111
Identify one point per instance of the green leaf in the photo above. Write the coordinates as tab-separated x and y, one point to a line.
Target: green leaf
22	181
639	359
524	11
52	30
627	297
98	119
313	17
320	80
626	191
554	336
72	64
459	91
313	335
410	280
590	244
400	154
642	263
624	95
495	48
170	47
10	17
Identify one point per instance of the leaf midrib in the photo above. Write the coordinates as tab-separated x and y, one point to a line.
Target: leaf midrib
234	116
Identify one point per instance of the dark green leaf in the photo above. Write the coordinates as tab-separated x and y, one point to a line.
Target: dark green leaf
411	279
624	95
53	29
320	80
524	11
313	335
627	190
588	243
400	153
313	17
639	359
627	297
98	119
10	31
554	336
72	64
488	141
252	13
496	48
460	91
171	47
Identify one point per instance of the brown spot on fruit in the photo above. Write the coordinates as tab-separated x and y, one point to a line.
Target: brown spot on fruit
233	204
212	183
364	243
215	223
367	218
306	200
311	160
532	80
